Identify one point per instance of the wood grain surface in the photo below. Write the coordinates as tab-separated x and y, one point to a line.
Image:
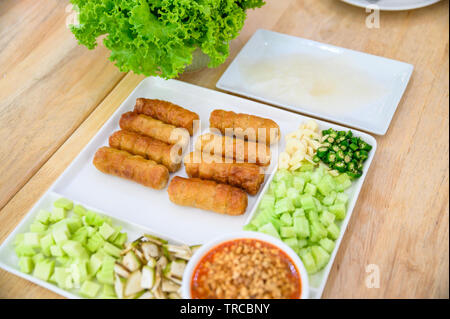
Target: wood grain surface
55	96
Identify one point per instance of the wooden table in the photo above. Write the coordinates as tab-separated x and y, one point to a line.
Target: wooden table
55	95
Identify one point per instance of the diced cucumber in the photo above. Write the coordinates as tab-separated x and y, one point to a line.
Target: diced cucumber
26	264
24	251
38	227
267	201
74	249
308	202
321	257
90	289
342	198
327	218
269	229
299	183
58	213
108	292
287	232
310	189
298	212
327	244
32	240
63	278
121	239
286	219
343	181
292	242
60	232
318	231
79	272
106	231
338	210
301	226
294	195
111	249
333	231
56	251
79	210
284	205
81	235
280	190
65	203
326	185
329	199
309	263
44	269
95	263
285	176
74	223
43	217
312	216
38	257
95	242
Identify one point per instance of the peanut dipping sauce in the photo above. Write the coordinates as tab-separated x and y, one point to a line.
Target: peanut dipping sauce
246	269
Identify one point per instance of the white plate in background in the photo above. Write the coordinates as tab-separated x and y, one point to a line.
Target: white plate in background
344	86
392	5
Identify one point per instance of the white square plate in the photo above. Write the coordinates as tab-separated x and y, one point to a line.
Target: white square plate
152	210
345	86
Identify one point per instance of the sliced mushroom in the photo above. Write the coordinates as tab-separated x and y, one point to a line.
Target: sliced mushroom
155	240
150	250
148	277
121	270
131	261
133	284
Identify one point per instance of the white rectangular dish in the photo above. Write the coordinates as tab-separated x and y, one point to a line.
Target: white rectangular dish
151	209
344	86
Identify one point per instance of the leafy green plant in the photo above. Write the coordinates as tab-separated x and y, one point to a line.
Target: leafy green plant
158	37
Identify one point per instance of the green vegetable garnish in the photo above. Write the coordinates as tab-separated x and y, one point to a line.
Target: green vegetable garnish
158	37
343	152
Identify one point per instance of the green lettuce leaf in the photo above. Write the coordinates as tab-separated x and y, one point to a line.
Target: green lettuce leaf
158	37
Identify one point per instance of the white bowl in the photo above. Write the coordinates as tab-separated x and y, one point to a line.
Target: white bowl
192	264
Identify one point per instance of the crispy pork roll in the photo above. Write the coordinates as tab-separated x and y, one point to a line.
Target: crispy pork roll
241	151
251	127
207	195
148	148
247	176
167	112
146	125
133	167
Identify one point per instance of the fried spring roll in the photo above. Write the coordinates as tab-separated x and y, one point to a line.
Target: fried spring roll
133	167
167	112
251	127
247	176
146	125
208	195
237	149
148	148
